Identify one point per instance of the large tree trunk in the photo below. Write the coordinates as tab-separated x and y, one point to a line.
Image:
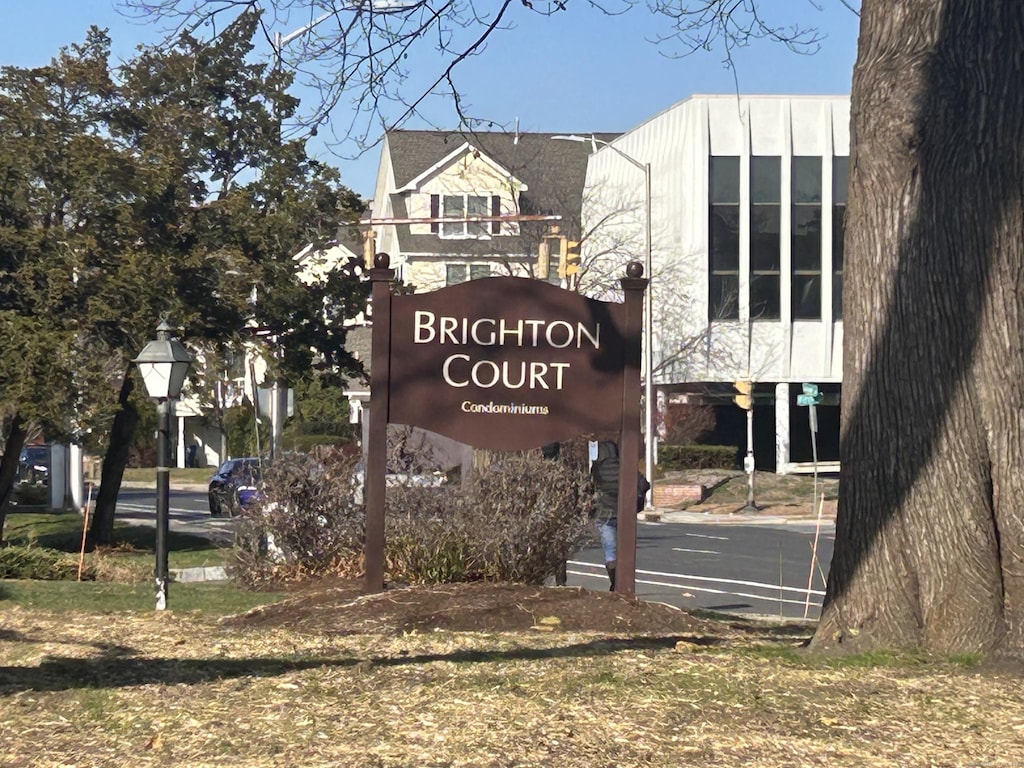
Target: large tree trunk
930	530
101	530
9	467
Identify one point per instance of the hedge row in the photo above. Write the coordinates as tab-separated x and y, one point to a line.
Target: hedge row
675	457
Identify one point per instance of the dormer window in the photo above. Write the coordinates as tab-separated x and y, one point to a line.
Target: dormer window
462	206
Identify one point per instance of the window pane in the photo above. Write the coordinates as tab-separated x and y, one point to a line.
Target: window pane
724	244
764	238
454	205
806	297
764	297
478	206
840	180
495	211
725	179
765	179
838	235
806	240
837	296
806	179
454	274
476	271
723	301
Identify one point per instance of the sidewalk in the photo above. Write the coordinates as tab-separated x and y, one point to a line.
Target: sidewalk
772	512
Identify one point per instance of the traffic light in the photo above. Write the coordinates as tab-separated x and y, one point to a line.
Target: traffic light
745	398
572	258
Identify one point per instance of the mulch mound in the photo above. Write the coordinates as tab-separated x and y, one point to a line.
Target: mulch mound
475	607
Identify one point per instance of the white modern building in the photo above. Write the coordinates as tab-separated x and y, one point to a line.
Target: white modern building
747	204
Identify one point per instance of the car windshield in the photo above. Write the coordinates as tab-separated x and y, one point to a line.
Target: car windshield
238	467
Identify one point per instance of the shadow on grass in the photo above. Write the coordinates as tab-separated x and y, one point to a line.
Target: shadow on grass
117	669
62	531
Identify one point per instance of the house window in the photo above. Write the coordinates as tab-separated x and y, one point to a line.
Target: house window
461	272
840	182
462	206
806	238
724	239
765	218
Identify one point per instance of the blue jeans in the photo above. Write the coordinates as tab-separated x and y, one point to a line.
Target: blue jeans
609	531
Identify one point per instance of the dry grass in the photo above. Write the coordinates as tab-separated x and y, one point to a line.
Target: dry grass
180	689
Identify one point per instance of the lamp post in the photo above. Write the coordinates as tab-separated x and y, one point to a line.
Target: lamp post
648	319
163	364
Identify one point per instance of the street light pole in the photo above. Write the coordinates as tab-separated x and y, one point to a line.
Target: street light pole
163	493
648	319
163	363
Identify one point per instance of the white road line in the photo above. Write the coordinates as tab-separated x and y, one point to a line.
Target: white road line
705	579
697	551
705	536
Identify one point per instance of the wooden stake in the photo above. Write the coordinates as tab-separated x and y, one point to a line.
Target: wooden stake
85	528
814	556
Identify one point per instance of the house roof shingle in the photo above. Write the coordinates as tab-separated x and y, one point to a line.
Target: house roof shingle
554	173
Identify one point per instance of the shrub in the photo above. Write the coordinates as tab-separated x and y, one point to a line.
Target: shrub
32	562
307	521
527	515
688	423
517	520
31	495
697	457
427	540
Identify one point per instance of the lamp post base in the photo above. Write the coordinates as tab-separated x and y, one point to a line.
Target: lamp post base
161	594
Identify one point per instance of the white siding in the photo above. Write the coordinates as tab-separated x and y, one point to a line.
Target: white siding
678	143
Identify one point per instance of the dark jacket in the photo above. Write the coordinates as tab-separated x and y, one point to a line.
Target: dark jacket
605	473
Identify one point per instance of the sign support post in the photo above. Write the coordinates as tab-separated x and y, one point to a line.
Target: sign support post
376	453
633	286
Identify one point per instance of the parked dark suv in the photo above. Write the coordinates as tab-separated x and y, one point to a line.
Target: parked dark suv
233	486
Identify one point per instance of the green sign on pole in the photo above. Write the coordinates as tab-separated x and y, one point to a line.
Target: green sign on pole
811	395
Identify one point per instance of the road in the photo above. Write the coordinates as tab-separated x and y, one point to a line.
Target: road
733	567
745	568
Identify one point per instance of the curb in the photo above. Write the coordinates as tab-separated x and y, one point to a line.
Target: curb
198	574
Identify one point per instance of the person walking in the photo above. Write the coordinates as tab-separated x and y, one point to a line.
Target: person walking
605	473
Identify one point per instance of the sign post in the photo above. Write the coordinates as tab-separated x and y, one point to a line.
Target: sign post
376	454
633	286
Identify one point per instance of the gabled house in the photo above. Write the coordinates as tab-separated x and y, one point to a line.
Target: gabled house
450	174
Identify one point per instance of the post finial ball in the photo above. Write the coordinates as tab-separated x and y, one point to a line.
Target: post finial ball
381	261
634	269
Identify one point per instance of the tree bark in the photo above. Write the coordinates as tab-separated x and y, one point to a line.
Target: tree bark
101	531
930	528
9	467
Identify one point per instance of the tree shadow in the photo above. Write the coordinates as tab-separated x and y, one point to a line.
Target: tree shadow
114	669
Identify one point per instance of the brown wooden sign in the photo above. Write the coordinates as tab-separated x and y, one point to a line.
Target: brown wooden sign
506	363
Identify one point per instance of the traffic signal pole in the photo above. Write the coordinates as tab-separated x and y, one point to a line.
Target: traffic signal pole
745	400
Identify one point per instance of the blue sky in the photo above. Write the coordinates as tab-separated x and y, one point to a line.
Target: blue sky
578	71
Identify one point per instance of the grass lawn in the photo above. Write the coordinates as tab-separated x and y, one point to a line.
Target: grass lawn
132	556
185	688
102	597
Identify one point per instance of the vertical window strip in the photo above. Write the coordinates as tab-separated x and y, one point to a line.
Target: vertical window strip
806	237
840	193
723	237
765	239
